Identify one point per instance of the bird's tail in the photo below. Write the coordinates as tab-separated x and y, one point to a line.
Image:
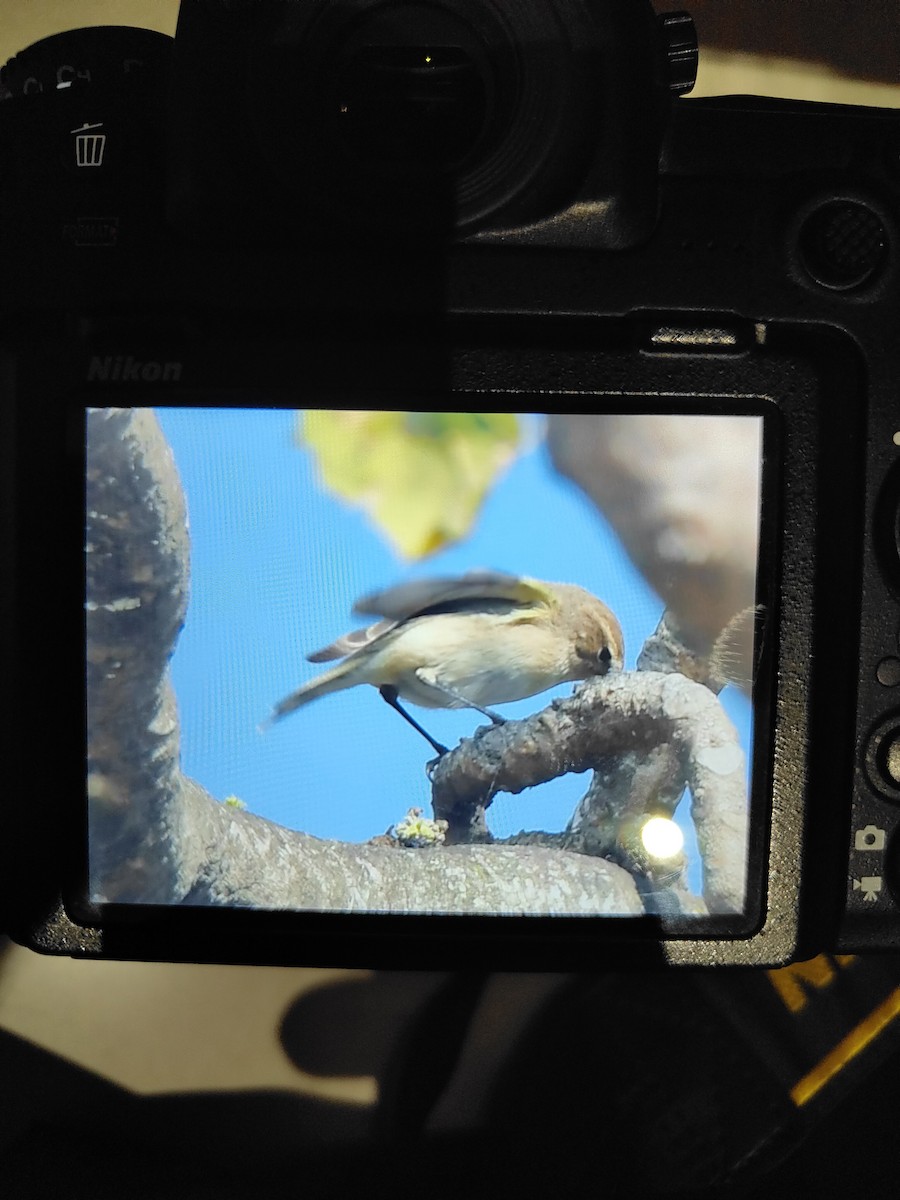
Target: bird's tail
333	680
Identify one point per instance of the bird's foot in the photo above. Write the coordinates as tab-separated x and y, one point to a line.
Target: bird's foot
432	763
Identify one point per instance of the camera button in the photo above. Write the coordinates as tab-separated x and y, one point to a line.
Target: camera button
888	671
882	757
843	244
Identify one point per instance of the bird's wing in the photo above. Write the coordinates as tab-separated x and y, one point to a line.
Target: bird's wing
349	643
454	593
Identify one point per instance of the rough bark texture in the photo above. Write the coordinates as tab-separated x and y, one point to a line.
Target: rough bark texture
137	565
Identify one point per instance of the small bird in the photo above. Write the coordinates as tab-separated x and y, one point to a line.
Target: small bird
467	642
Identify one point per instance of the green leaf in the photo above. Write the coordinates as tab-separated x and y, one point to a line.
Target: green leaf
421	476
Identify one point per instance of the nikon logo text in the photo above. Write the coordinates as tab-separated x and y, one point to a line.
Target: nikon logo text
125	368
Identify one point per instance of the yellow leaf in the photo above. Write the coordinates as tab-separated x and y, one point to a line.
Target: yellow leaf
421	476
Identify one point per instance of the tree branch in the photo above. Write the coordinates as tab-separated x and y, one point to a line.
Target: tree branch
646	735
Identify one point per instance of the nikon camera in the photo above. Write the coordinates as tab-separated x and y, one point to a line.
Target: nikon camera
420	311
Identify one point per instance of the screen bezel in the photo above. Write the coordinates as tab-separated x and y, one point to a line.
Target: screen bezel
738	379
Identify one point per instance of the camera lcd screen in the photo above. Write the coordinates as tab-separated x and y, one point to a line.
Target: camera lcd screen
226	545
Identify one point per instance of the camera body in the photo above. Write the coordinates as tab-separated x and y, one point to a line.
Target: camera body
429	207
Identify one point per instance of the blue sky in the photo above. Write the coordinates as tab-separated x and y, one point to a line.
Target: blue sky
277	563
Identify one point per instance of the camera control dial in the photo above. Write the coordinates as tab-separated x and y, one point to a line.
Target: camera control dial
682	53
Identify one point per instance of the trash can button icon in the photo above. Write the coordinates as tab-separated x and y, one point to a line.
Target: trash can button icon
89	145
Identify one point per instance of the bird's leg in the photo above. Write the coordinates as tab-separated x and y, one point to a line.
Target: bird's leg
389	693
459	697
